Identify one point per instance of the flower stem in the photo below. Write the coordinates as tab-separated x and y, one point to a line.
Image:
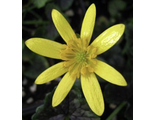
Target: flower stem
117	110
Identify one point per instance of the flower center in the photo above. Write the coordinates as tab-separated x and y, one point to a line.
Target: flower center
79	59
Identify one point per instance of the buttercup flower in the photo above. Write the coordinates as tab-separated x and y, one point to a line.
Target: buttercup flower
79	59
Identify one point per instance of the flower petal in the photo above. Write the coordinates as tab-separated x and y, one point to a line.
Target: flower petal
63	26
109	73
88	24
108	38
44	47
92	93
63	89
51	73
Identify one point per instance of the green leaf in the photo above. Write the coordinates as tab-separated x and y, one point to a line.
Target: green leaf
116	111
35	22
129	112
38	65
27	55
45	111
72	108
40	3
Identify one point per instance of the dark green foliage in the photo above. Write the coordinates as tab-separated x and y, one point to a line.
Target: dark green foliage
74	107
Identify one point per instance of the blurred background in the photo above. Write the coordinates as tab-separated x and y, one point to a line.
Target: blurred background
37	22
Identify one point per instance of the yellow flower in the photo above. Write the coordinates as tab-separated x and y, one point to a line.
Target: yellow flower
79	59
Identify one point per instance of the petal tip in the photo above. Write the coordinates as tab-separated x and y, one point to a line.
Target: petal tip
101	112
30	41
27	42
121	26
92	5
37	82
54	103
125	84
122	82
54	13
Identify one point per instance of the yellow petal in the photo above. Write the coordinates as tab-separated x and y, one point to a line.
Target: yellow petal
63	89
109	73
88	24
44	47
108	38
63	26
51	73
92	93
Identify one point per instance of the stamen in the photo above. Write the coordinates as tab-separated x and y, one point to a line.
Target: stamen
68	63
90	69
79	58
75	70
83	70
